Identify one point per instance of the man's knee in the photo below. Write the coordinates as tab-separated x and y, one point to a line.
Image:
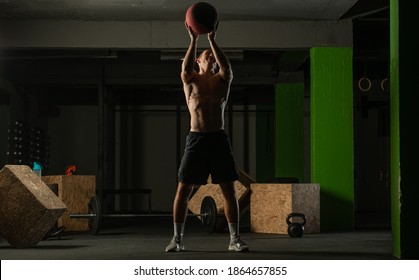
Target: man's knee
184	189
228	189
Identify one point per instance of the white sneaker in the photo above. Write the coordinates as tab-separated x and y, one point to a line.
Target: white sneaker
175	245
238	246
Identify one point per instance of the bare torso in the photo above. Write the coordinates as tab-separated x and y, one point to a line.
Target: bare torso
206	98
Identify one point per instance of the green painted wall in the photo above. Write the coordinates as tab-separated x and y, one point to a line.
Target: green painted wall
405	148
265	167
394	126
332	150
289	130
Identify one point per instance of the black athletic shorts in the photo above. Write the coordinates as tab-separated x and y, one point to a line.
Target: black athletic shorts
207	153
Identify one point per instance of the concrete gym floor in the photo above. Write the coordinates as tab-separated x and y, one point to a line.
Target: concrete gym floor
146	238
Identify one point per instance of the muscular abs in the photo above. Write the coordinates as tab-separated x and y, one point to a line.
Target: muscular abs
206	100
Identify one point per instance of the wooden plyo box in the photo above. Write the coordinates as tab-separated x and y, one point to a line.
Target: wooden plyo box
75	191
28	208
270	205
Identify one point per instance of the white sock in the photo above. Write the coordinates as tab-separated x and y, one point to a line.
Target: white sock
178	229
234	231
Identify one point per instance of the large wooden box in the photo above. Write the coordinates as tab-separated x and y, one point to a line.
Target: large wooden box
28	208
270	205
75	191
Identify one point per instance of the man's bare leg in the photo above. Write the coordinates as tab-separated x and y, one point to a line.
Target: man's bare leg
231	209
180	210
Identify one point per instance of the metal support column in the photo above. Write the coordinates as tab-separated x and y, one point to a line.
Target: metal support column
106	141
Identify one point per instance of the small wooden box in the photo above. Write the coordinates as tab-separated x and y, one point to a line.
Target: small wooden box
270	205
75	191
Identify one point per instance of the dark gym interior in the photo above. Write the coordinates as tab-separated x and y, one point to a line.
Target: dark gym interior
112	105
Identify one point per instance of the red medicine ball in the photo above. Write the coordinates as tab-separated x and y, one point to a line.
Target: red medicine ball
202	17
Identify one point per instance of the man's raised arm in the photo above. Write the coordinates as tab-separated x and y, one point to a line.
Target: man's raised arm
222	60
189	60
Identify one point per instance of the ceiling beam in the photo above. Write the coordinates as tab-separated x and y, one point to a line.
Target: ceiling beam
172	35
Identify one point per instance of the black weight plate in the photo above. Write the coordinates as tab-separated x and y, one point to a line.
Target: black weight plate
94	222
209	214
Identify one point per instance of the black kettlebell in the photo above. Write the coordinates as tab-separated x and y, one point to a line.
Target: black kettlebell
296	229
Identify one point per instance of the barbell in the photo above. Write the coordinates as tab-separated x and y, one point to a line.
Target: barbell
208	215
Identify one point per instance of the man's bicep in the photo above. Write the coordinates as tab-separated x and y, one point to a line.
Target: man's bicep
187	77
226	75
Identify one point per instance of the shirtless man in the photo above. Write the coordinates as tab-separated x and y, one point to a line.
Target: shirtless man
208	149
